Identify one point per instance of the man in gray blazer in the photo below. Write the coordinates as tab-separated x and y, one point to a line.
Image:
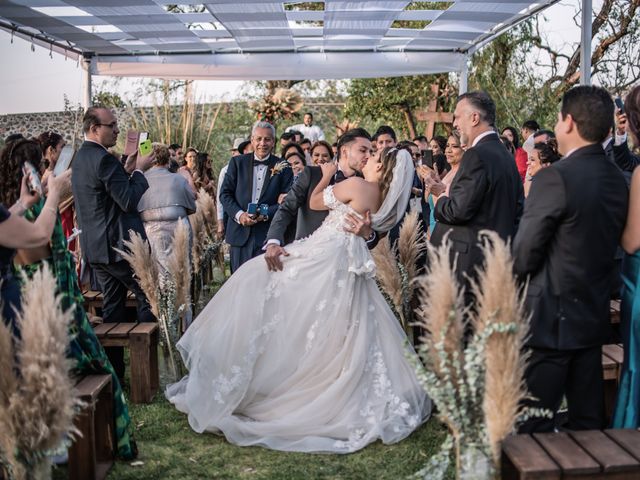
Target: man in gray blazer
106	200
354	148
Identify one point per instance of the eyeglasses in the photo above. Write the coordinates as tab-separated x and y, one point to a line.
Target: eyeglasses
111	125
416	156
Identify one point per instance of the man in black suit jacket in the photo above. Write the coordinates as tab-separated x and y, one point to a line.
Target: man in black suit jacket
354	148
257	178
572	224
106	200
487	191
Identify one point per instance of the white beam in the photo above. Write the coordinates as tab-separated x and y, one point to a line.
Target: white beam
585	43
86	83
464	76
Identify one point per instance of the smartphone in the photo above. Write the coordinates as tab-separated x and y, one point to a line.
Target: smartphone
263	209
252	209
144	136
619	104
145	148
33	182
64	161
427	158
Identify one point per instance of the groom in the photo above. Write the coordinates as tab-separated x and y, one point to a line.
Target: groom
255	178
354	148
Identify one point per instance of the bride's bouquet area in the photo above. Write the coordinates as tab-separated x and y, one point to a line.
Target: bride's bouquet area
474	359
38	401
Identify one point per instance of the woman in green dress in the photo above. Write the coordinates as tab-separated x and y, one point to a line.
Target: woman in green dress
84	348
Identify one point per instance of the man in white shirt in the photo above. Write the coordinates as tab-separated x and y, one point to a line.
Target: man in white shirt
258	178
308	129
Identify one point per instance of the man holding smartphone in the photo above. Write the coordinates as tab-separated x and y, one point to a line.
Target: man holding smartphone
106	201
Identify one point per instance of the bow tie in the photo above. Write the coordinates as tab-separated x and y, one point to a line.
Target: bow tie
257	163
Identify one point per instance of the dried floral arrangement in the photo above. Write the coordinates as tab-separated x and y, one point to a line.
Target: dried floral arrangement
283	104
397	270
38	400
476	382
206	248
169	294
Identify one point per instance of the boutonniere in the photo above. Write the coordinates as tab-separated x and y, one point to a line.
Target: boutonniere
279	167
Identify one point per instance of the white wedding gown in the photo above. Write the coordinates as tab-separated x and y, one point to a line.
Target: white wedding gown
309	359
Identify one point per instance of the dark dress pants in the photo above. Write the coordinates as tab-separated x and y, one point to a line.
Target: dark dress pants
240	255
576	374
116	279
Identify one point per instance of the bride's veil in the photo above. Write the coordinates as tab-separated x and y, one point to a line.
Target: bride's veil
395	203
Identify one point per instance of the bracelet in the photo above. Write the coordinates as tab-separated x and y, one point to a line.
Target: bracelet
22	207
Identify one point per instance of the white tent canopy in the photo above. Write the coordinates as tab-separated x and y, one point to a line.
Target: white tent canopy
253	39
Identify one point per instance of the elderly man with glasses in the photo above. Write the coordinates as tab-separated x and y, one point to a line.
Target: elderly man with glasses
106	196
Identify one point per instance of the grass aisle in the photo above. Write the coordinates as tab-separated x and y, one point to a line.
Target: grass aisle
171	450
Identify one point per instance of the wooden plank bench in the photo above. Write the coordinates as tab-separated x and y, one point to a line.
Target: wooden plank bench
142	341
610	454
91	456
614	312
612	358
93	301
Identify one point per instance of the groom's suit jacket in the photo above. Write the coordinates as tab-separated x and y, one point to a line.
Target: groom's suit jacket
296	205
236	193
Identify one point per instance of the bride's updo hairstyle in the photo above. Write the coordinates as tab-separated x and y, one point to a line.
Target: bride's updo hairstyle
388	158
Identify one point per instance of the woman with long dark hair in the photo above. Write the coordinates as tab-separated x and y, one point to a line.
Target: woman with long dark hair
521	156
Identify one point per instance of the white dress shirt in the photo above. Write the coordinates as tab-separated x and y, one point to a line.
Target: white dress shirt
312	132
259	175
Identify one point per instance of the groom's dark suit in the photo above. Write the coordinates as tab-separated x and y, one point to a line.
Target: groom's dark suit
106	201
566	243
295	207
237	193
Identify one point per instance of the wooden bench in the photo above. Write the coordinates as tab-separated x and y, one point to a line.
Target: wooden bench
612	359
142	341
610	454
92	454
93	301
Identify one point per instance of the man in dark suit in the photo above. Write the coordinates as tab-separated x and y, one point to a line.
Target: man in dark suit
572	223
257	178
106	201
354	148
486	193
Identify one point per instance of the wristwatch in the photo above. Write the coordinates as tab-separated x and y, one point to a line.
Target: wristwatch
371	237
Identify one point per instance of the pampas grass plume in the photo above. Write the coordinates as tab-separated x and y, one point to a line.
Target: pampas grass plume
441	311
145	267
410	246
387	272
178	264
43	406
499	301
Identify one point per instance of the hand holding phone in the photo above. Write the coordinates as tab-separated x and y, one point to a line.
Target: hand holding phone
619	105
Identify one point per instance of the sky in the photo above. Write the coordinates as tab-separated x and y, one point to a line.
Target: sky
37	81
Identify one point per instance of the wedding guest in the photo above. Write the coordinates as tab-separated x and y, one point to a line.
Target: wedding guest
293	146
106	198
509	146
84	349
321	152
437	146
297	163
528	131
252	179
168	200
51	144
422	142
627	410
583	196
187	170
285	139
307	129
520	155
202	174
542	156
486	192
385	137
16	232
305	144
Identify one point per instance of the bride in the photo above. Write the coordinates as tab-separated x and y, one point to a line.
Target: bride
310	358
